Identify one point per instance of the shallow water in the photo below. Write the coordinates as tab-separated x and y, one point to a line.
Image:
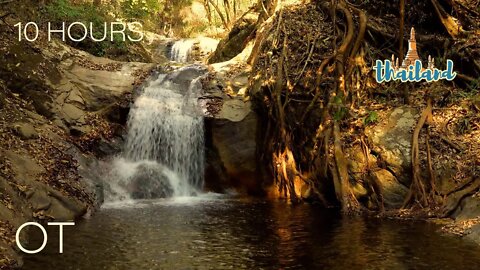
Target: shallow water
215	232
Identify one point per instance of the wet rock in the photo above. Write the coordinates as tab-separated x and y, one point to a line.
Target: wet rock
183	77
150	182
392	141
25	131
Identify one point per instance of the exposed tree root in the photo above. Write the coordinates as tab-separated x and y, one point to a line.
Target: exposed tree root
452	27
420	192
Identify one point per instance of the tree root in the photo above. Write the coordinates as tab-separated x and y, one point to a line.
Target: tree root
418	190
452	27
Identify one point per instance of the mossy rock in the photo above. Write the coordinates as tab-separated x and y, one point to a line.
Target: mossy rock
235	42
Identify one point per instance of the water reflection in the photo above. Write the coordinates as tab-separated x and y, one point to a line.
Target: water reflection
219	233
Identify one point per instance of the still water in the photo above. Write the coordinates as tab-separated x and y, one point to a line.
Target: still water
214	232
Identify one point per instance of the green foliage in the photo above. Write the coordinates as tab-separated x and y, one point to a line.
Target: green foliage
475	85
340	114
464	125
371	118
140	9
64	11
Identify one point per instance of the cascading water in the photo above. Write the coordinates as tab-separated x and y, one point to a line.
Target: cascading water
164	152
181	50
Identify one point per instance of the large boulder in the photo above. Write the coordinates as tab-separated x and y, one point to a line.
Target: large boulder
392	190
150	182
392	141
234	135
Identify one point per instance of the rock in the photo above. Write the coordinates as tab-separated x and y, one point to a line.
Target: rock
63	207
392	141
150	182
473	233
35	117
39	200
75	97
393	192
116	113
357	161
72	113
25	131
42	199
234	110
469	208
235	139
235	42
78	131
93	89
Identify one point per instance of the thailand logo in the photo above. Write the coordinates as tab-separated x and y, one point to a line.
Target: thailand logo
412	69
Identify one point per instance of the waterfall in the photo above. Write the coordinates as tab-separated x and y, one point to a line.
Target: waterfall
181	50
164	151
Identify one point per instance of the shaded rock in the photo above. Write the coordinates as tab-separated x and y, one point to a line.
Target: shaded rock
236	144
393	192
357	162
39	200
468	208
216	178
25	131
150	182
392	141
63	207
473	233
42	199
116	113
80	130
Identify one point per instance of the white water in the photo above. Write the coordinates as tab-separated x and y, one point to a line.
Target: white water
181	50
165	138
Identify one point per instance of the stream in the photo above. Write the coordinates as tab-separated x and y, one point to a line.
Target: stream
218	232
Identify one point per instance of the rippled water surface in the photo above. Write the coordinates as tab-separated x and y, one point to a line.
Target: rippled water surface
221	233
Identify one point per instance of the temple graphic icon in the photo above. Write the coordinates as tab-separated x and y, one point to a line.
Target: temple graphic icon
412	55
